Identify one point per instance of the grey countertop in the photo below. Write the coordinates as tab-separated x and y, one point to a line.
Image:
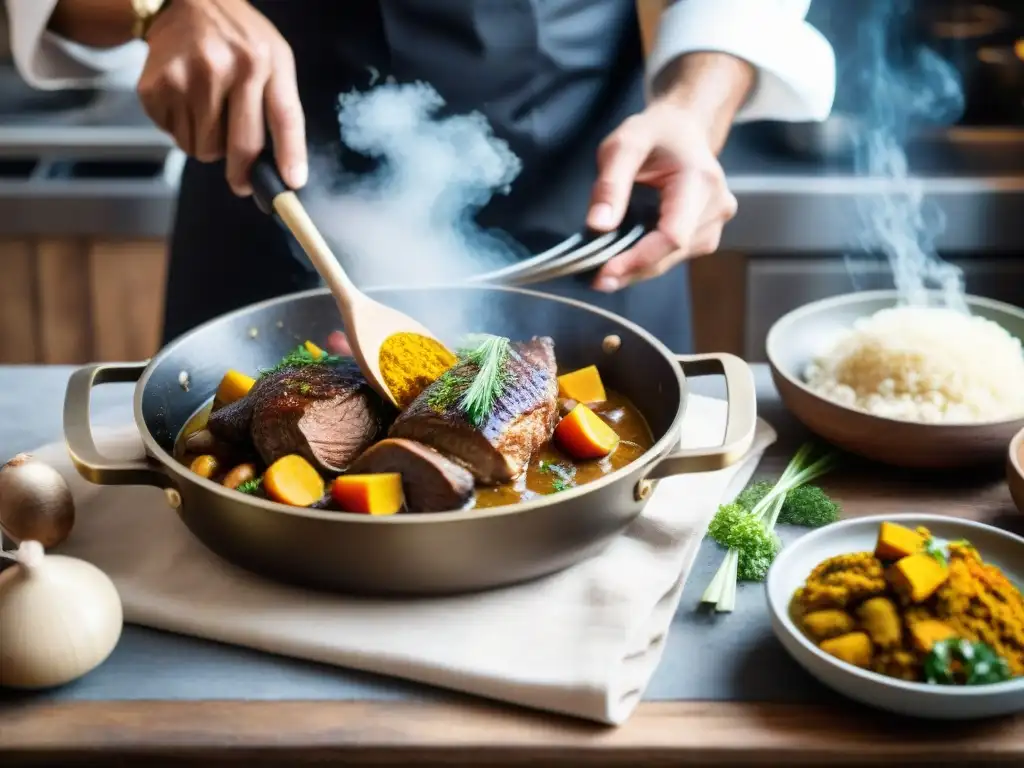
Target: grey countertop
153	665
103	169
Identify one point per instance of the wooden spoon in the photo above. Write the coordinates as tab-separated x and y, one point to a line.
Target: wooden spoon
368	323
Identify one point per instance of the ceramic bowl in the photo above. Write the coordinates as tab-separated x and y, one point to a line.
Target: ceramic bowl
796	561
1015	470
796	338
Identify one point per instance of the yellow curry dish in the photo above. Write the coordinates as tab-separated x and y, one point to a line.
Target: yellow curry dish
915	610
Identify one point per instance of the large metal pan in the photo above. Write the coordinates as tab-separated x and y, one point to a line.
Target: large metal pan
410	554
796	338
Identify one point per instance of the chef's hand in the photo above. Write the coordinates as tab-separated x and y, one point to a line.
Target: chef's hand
217	69
666	147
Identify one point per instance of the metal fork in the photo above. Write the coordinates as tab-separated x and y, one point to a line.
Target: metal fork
582	252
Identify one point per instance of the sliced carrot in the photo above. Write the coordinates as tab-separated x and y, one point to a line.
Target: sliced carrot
584	385
205	466
583	435
313	349
293	480
378	494
234	386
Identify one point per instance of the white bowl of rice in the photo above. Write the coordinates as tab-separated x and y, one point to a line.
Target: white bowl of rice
909	386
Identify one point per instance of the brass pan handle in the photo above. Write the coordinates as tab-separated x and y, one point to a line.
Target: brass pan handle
740	425
90	463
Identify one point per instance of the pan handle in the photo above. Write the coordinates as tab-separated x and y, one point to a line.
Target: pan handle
90	463
741	421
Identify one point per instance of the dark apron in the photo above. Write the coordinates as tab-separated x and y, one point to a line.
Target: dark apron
553	77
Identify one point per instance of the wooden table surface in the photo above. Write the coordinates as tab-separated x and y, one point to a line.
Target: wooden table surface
292	733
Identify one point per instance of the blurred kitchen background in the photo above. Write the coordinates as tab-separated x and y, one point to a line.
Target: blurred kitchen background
87	189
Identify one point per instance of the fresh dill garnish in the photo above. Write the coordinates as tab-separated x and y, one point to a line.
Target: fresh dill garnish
298	357
250	486
474	392
564	477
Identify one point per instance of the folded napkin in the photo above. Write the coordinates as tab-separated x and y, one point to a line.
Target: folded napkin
583	642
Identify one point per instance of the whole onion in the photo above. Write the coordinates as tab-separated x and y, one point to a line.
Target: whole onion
35	502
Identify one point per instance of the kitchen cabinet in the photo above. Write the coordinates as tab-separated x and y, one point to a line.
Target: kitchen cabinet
79	300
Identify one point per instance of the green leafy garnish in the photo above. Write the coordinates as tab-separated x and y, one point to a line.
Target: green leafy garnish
564	477
735	528
961	662
250	486
474	393
299	357
935	551
746	527
807	506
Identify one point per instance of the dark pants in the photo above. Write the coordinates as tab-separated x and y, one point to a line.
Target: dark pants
226	254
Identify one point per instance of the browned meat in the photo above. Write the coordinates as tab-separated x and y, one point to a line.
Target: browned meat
430	482
327	414
521	421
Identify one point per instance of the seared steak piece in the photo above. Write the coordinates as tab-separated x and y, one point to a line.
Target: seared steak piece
521	421
430	482
327	413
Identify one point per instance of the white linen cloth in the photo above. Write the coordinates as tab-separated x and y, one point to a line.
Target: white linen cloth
583	642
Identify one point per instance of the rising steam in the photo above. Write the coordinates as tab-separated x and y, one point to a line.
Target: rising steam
902	89
410	221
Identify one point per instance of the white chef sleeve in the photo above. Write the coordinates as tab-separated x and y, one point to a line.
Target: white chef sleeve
796	69
47	61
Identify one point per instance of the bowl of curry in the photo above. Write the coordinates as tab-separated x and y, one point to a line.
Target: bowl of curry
920	615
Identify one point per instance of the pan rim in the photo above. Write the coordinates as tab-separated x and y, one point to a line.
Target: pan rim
660	448
781	325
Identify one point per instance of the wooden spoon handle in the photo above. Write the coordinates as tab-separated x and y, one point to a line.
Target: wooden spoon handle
273	196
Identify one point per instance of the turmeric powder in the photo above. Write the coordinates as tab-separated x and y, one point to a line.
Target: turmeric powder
409	363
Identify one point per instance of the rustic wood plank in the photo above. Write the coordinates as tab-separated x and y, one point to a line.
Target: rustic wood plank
127	289
404	733
718	300
19	339
65	317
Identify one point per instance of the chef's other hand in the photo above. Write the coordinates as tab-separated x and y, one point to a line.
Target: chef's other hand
217	69
666	147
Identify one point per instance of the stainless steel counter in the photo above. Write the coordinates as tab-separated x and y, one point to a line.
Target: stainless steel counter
104	169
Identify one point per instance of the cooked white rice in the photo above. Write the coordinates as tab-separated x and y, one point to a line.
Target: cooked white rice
924	364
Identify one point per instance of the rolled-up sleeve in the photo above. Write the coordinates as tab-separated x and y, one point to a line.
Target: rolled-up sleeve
47	61
796	69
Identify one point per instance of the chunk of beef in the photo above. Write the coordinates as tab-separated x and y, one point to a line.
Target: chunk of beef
327	413
430	482
521	421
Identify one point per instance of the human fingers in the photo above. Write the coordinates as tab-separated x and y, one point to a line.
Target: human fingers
337	344
286	120
619	160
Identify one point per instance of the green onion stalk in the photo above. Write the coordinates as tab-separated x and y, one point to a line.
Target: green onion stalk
751	535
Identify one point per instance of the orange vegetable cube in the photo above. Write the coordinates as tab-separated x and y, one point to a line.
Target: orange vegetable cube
916	577
927	632
377	494
234	386
583	435
583	386
896	541
313	349
293	480
854	648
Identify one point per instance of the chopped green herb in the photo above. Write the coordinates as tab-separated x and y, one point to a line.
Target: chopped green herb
299	357
978	664
251	486
735	528
564	477
934	550
807	506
